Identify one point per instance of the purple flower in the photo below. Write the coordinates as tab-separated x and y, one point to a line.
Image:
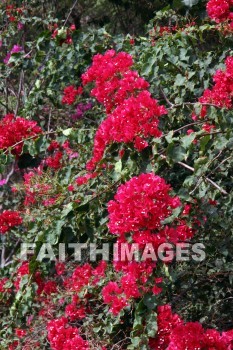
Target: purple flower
15	49
81	108
3	182
77	115
88	106
20	26
73	155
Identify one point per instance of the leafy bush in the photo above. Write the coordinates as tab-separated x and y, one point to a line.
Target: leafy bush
121	141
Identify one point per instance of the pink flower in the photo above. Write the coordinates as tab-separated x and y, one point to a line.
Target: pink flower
20	26
15	49
3	182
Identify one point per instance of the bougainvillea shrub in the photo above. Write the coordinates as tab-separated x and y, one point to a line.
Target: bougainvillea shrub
116	182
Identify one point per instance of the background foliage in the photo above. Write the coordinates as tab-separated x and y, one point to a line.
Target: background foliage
179	63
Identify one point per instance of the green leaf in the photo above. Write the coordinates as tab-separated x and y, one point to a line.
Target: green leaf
151	324
67	132
187	140
176	153
150	301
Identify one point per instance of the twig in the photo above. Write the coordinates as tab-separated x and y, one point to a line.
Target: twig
116	346
7	97
4	105
222	162
49	121
67	18
213	133
29	138
186	126
193	104
10	173
206	178
166	98
3	251
12	251
19	92
172	105
200	179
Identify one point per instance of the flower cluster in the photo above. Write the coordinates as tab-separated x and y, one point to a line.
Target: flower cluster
133	114
175	334
34	188
55	161
14	130
220	10
132	121
80	110
70	93
38	185
62	336
163	30
141	204
13	12
82	180
139	208
84	275
22	270
62	35
3	287
57	151
221	94
106	72
8	220
113	296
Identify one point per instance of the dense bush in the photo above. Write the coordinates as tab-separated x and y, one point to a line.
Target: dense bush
123	140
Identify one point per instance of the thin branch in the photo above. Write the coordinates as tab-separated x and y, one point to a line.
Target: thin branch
186	126
67	18
3	251
212	133
19	92
27	139
172	105
49	121
10	173
4	105
206	178
193	104
201	178
7	96
165	97
218	166
12	251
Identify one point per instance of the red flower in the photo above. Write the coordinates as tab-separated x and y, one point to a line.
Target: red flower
55	161
70	93
219	10
62	336
60	268
75	313
141	203
112	295
221	94
14	130
20	332
8	220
